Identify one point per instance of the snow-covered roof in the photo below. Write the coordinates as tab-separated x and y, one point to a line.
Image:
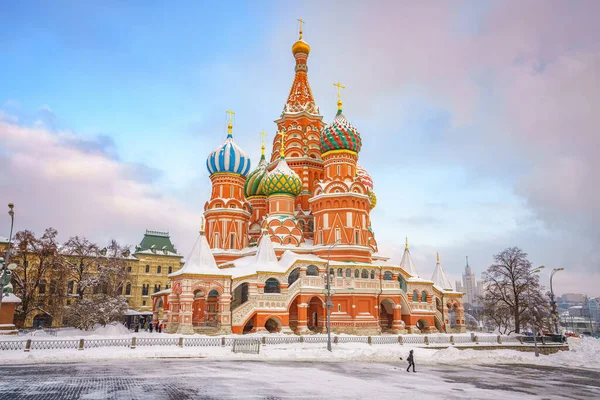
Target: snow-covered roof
407	264
200	261
439	277
164	291
264	260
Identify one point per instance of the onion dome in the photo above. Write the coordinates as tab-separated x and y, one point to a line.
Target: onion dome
228	157
364	177
340	134
254	183
282	180
372	198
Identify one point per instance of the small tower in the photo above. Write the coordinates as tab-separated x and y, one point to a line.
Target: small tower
281	186
341	204
301	123
253	190
227	213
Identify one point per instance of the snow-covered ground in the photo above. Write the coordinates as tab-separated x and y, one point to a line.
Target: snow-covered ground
583	353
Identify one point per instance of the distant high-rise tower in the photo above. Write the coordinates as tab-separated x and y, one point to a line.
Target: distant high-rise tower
470	286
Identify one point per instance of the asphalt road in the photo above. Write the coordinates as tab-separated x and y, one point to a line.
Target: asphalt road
203	379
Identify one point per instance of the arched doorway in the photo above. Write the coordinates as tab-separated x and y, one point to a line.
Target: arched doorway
198	308
249	326
316	314
273	325
386	315
452	315
212	308
422	325
293	314
42	321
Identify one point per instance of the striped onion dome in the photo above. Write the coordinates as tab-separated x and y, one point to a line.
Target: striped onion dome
282	180
364	177
228	157
340	135
254	183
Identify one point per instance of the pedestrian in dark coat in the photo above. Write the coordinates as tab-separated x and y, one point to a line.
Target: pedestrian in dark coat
411	361
150	326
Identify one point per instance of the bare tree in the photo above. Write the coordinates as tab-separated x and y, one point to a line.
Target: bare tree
511	289
39	269
81	258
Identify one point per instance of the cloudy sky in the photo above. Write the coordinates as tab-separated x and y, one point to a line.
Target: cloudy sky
479	118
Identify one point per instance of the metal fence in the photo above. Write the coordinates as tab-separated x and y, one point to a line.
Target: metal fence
248	346
240	342
95	343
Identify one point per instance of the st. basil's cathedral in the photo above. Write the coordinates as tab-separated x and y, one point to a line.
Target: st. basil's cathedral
271	235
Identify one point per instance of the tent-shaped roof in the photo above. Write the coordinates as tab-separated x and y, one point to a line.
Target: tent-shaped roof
439	277
407	264
200	261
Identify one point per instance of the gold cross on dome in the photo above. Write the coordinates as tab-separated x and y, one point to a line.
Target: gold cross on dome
301	22
339	86
230	124
262	140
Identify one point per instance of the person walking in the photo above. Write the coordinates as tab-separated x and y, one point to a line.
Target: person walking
411	361
150	326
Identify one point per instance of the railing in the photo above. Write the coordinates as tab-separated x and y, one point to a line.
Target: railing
418	340
54	344
249	346
95	343
13	345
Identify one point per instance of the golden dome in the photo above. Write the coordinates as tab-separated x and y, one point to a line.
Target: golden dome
300	47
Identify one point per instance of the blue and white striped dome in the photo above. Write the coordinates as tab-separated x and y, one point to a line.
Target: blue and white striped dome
228	157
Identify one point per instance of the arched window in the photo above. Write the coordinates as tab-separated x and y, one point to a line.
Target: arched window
348	273
42	287
402	283
331	272
147	269
387	276
158	269
415	296
272	286
214	293
294	275
357	273
372	274
170	270
340	273
364	274
312	270
128	289
424	297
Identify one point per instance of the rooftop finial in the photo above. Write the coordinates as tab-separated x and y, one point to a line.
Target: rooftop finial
438	257
230	123
282	145
202	226
301	22
406	243
467	261
262	140
339	102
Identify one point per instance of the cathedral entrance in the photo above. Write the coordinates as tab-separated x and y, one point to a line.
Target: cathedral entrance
316	314
198	308
386	315
422	325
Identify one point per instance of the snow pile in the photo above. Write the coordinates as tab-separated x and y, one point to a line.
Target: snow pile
110	330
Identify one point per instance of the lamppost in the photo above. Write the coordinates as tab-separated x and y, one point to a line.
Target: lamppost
7	269
554	308
537	351
329	293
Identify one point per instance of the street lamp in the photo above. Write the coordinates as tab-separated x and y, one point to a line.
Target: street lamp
7	269
329	293
554	308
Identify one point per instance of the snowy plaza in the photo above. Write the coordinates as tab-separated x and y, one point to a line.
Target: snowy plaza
289	370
